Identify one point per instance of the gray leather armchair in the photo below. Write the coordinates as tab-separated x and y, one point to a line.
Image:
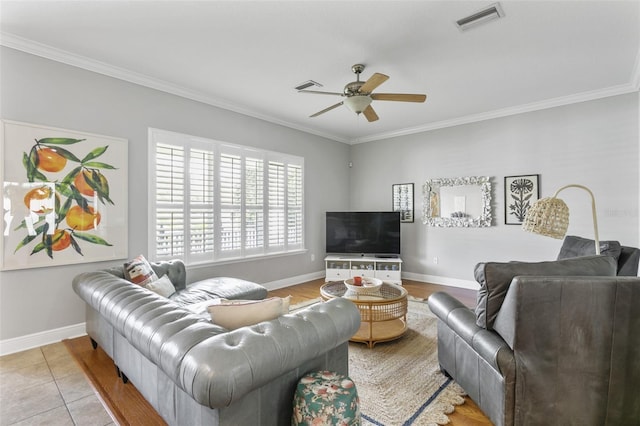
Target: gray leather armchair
549	343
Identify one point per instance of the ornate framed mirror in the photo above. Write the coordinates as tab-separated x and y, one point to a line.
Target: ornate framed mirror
463	202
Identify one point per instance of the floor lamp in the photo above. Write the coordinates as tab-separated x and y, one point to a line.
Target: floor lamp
550	216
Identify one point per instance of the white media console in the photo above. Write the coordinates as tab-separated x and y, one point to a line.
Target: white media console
339	268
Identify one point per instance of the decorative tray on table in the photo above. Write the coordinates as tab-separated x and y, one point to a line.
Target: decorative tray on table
369	286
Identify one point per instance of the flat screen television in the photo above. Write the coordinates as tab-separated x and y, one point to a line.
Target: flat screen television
367	233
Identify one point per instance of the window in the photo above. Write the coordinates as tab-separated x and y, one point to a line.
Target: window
211	201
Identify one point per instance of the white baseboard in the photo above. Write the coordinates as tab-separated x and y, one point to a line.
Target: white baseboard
434	279
22	343
274	285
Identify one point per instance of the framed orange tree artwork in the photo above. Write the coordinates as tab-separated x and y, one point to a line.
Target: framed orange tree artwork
64	196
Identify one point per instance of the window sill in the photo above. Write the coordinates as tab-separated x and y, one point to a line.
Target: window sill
232	260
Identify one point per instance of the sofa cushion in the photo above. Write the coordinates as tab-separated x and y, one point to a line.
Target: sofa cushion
495	277
139	271
573	246
162	286
219	287
232	314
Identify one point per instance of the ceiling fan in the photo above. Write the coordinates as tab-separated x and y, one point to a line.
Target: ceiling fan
358	95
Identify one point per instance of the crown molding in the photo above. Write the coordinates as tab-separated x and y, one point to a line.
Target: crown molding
506	112
59	55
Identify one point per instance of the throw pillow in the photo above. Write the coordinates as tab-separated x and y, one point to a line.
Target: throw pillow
232	314
495	278
139	271
202	308
163	286
573	246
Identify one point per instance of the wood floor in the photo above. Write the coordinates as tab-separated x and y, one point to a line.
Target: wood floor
467	414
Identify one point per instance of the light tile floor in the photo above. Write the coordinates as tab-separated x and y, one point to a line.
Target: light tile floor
45	386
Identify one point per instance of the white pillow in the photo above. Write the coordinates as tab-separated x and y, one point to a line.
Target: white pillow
139	271
232	314
200	308
163	286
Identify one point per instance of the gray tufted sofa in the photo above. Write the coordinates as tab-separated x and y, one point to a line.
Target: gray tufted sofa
549	343
194	372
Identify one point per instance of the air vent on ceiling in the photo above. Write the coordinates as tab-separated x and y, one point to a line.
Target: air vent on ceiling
480	17
307	84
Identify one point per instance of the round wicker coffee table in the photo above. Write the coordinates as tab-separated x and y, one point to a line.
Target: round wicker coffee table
383	311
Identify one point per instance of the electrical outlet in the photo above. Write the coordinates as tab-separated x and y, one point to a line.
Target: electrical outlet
435	260
313	257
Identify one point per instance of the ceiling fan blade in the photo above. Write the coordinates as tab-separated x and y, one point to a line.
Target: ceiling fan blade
374	81
317	92
326	109
370	114
402	97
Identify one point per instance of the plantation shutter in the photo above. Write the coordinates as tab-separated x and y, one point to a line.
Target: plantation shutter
170	209
254	205
201	206
294	206
276	205
212	201
230	204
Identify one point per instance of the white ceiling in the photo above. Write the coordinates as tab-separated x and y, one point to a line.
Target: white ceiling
248	56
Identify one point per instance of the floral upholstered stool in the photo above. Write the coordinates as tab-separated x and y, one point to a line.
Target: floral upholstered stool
326	398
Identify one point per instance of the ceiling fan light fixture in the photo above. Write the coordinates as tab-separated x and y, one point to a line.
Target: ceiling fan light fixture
358	95
358	103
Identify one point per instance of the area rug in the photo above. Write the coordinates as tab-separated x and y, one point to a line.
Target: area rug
399	382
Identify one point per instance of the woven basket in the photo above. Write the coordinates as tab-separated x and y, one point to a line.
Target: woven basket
549	217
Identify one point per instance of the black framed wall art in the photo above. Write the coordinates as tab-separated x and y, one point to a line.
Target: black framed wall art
403	201
520	192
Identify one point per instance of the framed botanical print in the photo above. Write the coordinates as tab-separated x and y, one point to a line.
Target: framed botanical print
520	192
64	196
403	201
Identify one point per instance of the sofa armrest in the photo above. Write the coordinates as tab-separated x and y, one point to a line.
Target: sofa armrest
462	321
455	315
224	368
441	304
174	269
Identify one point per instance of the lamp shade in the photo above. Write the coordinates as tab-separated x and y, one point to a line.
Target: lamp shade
357	103
548	217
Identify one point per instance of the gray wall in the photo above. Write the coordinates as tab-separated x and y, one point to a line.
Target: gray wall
591	143
41	91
